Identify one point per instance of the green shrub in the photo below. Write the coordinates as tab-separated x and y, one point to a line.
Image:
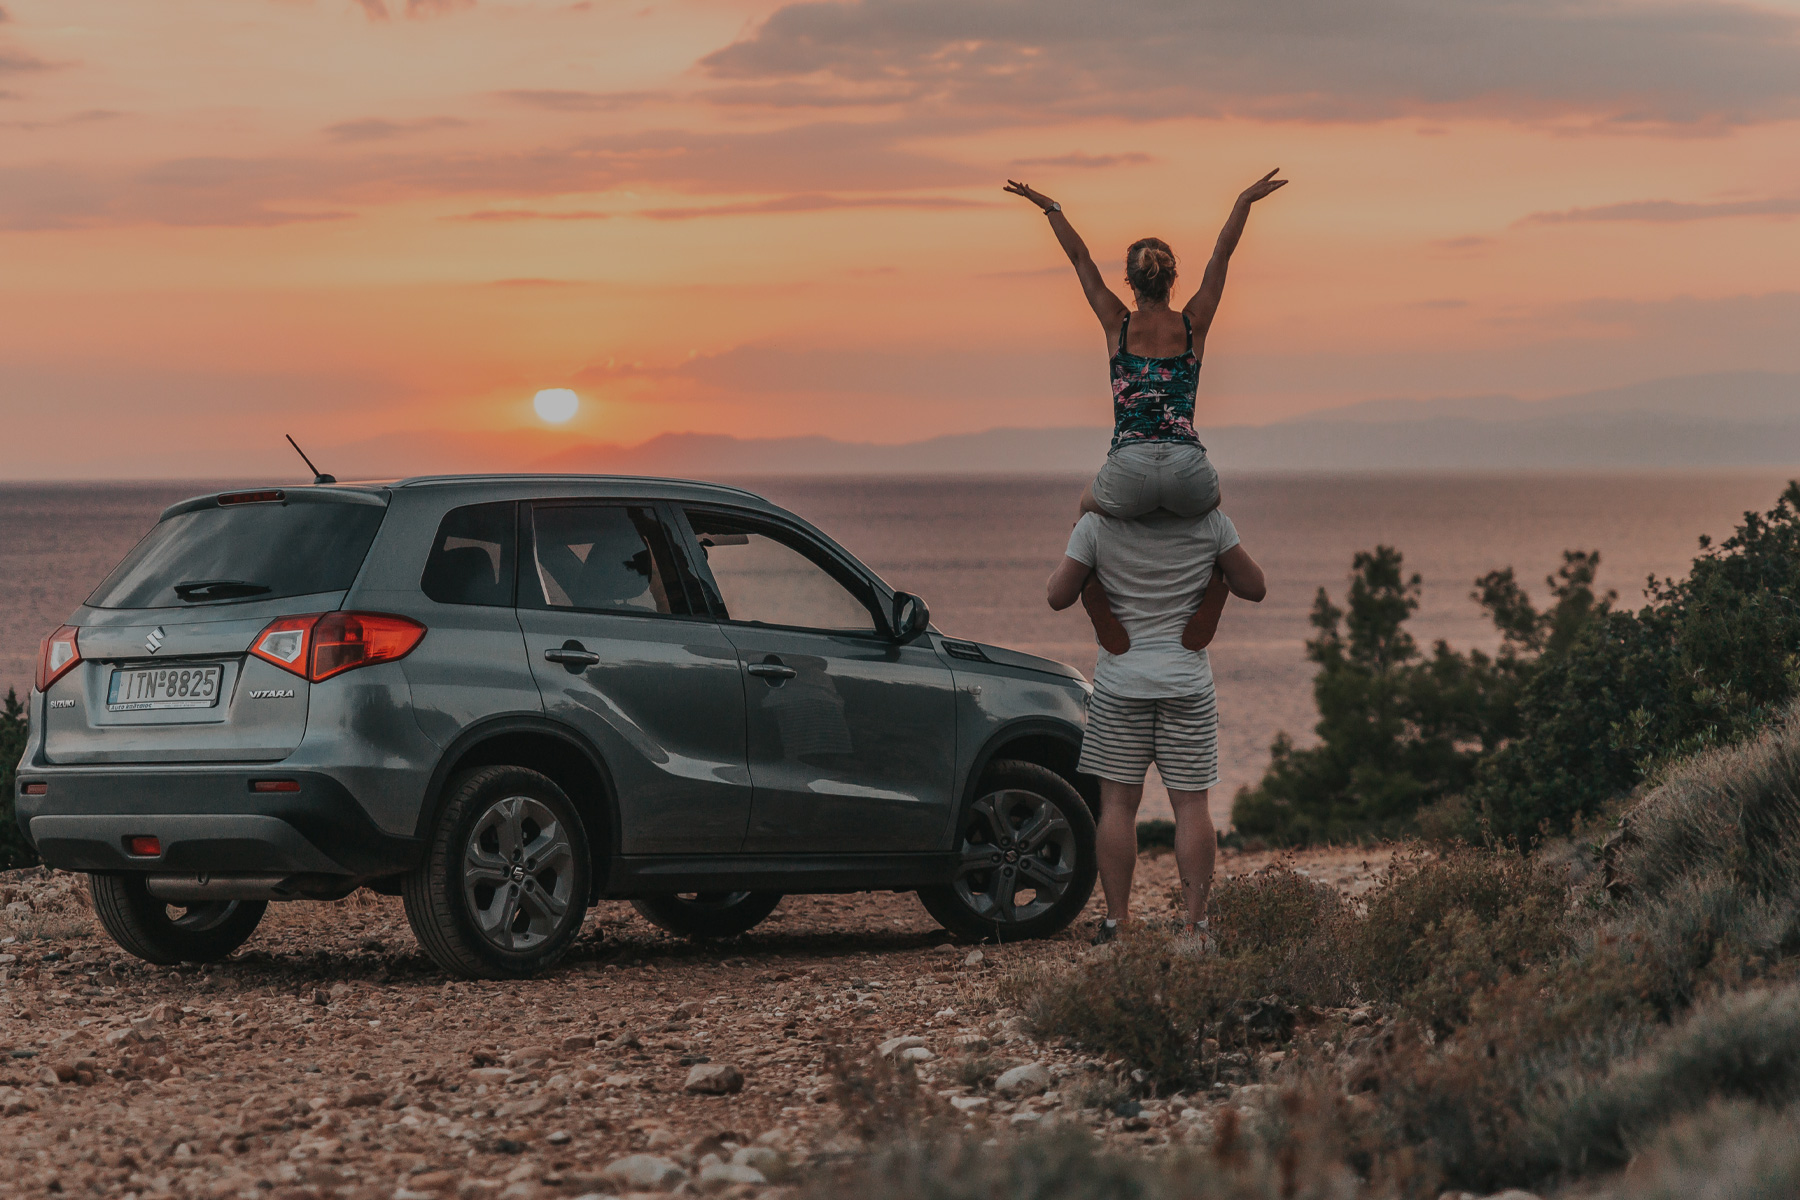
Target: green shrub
1400	731
1156	834
15	851
1712	658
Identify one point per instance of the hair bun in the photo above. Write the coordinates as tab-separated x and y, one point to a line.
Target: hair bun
1150	268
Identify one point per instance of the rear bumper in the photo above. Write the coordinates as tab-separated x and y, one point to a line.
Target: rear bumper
206	821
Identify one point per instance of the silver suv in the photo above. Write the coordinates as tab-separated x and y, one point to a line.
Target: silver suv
506	698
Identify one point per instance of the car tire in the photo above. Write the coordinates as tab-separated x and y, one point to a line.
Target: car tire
144	926
507	873
1027	830
708	914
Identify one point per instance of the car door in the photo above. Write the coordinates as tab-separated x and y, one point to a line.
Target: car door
624	650
852	738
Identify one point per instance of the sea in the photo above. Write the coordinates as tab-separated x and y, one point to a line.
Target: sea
979	551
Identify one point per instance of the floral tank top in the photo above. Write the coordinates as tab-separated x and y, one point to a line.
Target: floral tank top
1153	398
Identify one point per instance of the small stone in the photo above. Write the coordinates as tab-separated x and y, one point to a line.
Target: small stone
975	959
575	1043
968	1103
490	1074
559	1138
718	1176
1028	1080
970	1043
661	1136
714	1079
916	1054
772	1163
894	1046
644	1172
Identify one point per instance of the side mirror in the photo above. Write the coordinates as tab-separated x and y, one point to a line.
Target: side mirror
910	617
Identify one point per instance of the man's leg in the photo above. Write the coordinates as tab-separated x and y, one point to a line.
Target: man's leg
1115	842
1196	847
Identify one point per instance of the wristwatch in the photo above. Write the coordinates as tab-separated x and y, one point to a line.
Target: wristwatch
1054	207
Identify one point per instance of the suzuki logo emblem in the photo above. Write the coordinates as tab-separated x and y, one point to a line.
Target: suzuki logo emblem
154	642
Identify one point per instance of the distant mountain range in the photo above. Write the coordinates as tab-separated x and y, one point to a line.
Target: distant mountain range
1731	419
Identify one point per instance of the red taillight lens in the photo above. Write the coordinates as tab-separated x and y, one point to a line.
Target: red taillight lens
36	789
286	641
343	641
274	785
318	646
59	652
144	847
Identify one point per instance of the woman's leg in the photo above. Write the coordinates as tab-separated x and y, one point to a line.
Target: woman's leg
1198	634
1196	848
1089	504
1107	629
1115	843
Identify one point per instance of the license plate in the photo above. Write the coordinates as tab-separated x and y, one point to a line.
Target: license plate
164	687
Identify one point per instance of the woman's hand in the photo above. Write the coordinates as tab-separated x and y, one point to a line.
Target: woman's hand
1030	193
1265	186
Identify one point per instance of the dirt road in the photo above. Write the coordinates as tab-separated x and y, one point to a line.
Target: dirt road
328	1058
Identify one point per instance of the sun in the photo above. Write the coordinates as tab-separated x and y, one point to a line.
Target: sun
556	405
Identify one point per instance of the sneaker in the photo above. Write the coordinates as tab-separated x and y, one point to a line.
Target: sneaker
1107	932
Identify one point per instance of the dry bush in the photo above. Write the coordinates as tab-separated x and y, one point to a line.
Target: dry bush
1734	812
1438	928
1167	1010
1300	1161
1729	1151
1736	1047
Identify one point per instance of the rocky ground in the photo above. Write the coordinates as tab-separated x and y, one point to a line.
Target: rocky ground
328	1058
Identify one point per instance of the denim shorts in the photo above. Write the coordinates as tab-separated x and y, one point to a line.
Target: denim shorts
1142	476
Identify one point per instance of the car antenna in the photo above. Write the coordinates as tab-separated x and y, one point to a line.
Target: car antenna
318	475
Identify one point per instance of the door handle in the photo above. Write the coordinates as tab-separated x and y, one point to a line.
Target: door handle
572	656
771	670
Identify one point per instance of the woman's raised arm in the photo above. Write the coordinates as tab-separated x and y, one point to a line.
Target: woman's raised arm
1108	307
1205	304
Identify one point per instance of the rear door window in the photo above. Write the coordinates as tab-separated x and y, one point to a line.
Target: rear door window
601	558
297	546
473	557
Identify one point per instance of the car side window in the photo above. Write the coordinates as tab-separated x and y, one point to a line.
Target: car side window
601	558
766	576
472	557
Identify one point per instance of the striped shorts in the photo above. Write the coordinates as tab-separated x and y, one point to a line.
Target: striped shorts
1179	733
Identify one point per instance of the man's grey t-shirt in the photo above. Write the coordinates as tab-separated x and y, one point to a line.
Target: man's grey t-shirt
1154	570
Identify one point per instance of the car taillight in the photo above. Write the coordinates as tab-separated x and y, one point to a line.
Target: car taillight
58	653
320	645
286	641
343	641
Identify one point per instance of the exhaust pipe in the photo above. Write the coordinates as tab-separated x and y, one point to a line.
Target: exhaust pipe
202	889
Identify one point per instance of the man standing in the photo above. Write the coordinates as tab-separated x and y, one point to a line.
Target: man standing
1154	702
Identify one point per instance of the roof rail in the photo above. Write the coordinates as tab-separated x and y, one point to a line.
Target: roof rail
566	477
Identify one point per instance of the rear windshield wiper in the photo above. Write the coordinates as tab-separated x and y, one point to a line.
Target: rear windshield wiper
218	589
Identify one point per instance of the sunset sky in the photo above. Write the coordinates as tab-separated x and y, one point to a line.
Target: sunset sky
222	220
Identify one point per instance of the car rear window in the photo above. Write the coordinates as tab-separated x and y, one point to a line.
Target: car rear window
472	559
250	551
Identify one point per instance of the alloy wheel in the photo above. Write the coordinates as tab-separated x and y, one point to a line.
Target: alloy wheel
518	874
1017	856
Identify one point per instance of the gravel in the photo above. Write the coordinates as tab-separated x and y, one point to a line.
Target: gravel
328	1058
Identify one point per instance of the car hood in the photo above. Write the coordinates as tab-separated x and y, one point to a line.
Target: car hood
1001	656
